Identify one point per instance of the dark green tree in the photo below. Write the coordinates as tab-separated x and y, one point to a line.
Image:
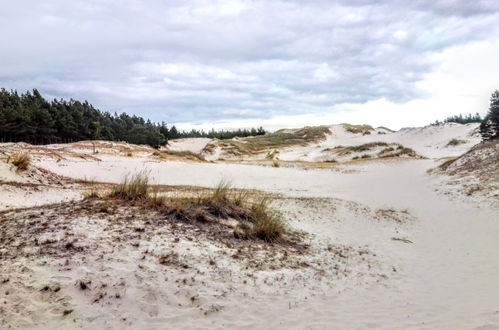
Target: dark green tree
489	128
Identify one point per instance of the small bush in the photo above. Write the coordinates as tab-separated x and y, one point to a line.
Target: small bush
20	160
456	142
275	163
133	187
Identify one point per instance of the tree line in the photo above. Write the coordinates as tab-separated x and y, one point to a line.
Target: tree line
460	119
30	118
212	134
489	125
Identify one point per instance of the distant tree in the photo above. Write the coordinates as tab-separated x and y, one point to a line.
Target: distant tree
460	119
489	128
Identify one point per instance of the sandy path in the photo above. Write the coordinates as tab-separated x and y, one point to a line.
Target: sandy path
448	276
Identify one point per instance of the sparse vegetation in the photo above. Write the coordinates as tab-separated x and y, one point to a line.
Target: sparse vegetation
133	187
267	225
20	160
252	214
275	163
279	139
456	142
189	155
358	129
386	128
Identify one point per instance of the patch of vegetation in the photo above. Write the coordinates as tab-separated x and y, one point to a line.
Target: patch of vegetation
365	147
209	148
358	129
271	154
133	187
254	219
275	163
386	151
456	142
386	128
20	160
279	139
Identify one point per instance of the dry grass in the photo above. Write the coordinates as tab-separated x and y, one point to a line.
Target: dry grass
20	160
267	225
133	187
269	142
253	217
358	129
189	155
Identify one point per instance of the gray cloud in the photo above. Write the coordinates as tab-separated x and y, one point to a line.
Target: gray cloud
193	61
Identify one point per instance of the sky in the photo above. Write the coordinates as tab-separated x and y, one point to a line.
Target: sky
248	63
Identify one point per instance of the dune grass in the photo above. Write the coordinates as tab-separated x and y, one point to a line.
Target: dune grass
358	129
189	155
20	160
133	187
254	218
268	142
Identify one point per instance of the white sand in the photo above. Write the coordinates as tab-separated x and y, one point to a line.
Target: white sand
195	145
444	277
429	141
447	278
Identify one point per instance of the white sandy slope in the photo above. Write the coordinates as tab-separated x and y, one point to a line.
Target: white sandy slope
447	278
27	189
195	145
429	141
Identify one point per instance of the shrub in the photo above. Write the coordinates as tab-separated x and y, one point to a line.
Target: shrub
456	142
20	160
275	163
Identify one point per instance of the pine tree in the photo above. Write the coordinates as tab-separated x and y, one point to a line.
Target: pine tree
489	129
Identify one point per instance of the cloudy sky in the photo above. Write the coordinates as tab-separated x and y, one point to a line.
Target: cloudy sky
274	63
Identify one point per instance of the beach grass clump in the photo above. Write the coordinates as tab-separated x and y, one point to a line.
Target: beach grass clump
133	187
253	217
267	225
20	160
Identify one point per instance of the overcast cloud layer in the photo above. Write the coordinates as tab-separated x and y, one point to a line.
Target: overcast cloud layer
241	63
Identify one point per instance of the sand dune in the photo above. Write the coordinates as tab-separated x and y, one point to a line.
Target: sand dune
385	244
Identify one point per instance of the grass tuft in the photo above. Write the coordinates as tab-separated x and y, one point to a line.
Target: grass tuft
133	187
267	225
20	160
